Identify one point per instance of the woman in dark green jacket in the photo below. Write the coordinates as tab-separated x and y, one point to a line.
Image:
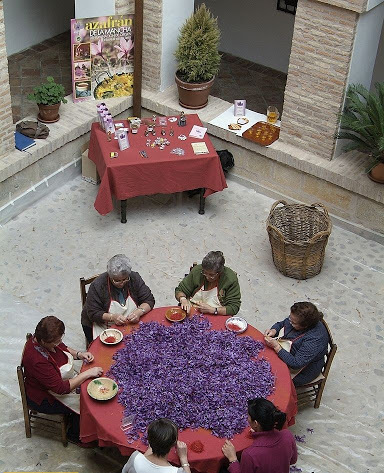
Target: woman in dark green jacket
211	287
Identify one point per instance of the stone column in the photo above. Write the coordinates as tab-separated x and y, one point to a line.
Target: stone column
151	39
318	71
7	142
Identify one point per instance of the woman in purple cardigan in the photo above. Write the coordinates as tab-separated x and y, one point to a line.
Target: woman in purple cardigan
273	450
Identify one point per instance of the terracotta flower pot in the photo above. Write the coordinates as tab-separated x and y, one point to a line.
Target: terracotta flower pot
193	96
377	173
48	113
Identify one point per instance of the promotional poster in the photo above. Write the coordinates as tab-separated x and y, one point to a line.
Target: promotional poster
102	51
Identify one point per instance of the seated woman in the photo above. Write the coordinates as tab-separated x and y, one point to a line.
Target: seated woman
273	449
49	373
115	297
307	342
162	436
211	287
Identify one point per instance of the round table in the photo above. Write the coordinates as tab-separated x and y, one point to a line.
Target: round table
101	420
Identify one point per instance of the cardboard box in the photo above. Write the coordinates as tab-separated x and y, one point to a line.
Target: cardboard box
88	169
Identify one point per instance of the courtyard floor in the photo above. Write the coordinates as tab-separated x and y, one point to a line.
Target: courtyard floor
46	249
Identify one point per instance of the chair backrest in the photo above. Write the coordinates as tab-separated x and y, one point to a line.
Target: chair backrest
331	352
191	267
83	287
21	380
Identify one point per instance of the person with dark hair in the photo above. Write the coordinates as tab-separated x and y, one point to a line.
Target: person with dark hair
162	436
211	287
304	343
118	296
49	373
273	450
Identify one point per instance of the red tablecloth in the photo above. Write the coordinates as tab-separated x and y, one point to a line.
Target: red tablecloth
130	175
101	421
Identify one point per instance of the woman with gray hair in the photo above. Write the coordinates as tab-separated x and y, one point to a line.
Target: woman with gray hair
211	287
118	296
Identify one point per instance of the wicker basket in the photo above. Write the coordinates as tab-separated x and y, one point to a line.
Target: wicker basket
298	235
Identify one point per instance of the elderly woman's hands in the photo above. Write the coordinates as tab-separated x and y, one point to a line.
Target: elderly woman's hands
271	332
229	451
117	319
185	304
94	372
272	343
204	307
85	355
134	316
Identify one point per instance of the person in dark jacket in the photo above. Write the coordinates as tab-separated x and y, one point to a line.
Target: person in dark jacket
118	296
305	342
273	450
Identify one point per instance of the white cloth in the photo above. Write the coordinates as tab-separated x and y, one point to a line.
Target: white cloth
68	371
210	297
138	463
114	308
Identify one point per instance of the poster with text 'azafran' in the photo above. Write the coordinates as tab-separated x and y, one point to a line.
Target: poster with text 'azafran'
102	57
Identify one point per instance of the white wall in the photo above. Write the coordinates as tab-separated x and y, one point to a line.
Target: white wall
28	22
175	12
94	8
378	71
254	30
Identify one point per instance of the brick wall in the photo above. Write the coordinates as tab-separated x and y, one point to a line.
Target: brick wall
319	64
151	39
6	123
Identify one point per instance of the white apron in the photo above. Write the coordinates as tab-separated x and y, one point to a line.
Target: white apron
287	345
210	297
68	371
114	308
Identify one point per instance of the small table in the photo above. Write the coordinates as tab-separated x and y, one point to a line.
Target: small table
129	174
101	421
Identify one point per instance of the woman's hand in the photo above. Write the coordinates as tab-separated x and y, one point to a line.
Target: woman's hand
94	372
182	451
271	332
85	355
185	304
229	451
204	308
118	319
134	316
272	343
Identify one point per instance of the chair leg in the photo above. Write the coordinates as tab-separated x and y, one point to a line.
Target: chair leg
319	395
27	424
64	431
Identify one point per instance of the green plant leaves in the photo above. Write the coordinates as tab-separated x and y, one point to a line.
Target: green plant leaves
48	93
362	121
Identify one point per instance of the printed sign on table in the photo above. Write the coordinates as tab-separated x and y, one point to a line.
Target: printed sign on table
102	57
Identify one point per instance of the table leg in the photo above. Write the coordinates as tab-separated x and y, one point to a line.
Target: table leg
202	202
123	211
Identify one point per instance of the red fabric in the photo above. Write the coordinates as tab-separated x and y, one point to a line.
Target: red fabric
42	373
101	420
130	175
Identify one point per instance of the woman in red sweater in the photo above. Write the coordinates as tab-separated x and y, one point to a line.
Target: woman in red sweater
273	450
49	373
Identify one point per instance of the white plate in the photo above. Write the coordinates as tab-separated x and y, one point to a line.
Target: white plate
238	322
102	389
111	332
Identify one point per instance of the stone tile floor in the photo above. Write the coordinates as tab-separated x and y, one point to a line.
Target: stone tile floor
237	79
47	248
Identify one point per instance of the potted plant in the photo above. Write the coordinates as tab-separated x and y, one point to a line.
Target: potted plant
198	58
362	123
48	97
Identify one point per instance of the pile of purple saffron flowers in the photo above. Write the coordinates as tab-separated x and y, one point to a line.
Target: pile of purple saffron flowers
190	374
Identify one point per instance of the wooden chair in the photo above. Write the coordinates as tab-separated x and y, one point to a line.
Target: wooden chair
83	292
83	287
313	391
55	424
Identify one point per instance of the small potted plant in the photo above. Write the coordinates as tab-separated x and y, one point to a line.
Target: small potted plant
198	58
362	123
48	97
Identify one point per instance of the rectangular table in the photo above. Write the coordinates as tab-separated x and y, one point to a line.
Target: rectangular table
130	175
